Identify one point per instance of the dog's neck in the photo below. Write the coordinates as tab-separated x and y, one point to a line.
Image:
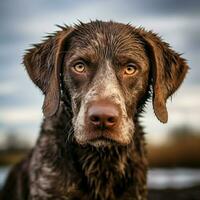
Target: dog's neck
103	169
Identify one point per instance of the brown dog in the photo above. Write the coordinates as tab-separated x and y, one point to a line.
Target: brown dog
96	78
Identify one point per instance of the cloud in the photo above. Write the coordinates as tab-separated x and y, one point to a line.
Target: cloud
20	115
176	7
7	88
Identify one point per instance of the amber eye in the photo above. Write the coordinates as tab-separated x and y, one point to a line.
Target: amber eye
130	69
79	67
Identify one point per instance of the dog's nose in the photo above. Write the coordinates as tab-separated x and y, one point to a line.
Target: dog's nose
103	114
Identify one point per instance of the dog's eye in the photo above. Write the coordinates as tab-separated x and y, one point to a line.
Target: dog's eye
130	69
79	67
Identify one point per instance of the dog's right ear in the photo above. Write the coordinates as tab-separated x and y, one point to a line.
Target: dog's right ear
43	64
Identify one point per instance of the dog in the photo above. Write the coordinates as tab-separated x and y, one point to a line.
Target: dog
96	78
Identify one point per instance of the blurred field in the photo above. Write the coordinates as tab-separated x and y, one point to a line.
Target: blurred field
11	157
182	149
178	151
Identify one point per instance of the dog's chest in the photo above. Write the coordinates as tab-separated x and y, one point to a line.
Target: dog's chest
104	175
85	174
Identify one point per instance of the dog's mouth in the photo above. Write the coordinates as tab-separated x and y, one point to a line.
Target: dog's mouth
102	142
103	138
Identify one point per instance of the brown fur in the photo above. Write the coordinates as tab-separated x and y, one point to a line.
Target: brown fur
60	167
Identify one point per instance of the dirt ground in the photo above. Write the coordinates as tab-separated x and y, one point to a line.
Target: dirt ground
192	193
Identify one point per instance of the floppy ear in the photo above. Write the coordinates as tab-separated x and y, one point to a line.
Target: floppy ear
168	72
43	64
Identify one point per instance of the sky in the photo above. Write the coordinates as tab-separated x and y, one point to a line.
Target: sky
25	22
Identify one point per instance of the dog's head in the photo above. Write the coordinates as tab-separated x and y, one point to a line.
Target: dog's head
107	69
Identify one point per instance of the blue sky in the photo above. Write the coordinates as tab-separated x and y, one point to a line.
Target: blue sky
24	22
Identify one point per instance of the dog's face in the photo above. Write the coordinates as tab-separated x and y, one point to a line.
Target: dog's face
107	69
106	72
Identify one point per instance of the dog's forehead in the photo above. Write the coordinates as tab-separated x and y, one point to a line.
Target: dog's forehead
106	38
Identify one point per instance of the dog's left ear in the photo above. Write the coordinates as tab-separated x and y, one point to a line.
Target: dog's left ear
168	71
43	64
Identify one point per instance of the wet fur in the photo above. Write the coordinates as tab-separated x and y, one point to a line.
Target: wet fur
60	168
